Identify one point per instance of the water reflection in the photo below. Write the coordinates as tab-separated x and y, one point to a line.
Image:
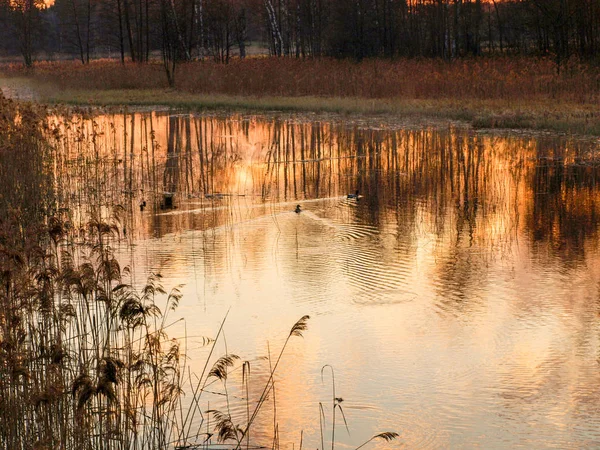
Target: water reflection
457	298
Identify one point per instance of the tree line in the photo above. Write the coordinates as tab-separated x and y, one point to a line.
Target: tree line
180	30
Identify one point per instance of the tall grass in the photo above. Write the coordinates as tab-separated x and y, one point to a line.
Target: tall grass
84	359
502	78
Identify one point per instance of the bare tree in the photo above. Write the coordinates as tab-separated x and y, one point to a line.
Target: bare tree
169	41
25	18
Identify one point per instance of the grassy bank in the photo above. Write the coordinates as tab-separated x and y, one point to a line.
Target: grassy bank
488	93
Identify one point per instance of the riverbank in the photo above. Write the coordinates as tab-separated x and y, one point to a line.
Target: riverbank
541	115
521	93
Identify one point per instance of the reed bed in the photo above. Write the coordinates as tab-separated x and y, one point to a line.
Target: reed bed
499	78
85	362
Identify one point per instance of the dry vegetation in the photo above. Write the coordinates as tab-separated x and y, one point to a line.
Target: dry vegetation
515	79
84	359
497	92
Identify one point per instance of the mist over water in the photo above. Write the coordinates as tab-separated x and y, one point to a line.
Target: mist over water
456	299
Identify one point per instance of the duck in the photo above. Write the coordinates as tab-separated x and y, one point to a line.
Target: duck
354	196
215	195
298	210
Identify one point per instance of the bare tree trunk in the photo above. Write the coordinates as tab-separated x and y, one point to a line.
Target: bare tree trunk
147	30
299	33
26	32
178	31
240	32
457	11
274	26
192	28
78	31
227	43
121	37
199	26
89	31
478	17
169	43
500	26
129	32
139	18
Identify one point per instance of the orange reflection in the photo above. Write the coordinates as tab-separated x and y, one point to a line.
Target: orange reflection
445	294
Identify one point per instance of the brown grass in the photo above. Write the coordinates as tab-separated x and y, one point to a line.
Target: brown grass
499	78
499	92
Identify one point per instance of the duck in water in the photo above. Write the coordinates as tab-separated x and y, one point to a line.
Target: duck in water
354	196
297	210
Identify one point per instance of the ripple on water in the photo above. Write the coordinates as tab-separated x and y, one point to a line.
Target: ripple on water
418	430
375	281
353	232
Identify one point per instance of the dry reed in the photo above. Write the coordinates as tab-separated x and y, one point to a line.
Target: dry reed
500	78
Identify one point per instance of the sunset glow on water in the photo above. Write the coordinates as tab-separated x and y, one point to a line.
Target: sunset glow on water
456	298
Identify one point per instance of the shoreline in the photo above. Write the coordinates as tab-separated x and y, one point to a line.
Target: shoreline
540	115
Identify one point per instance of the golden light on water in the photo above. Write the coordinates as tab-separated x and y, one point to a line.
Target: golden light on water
454	300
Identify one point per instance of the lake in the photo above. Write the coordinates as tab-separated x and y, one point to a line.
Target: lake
456	299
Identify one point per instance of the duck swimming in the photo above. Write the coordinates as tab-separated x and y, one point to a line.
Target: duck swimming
354	196
297	210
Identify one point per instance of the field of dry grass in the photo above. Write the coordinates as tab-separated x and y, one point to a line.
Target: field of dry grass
499	92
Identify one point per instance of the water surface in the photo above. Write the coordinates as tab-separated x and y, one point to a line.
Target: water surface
456	300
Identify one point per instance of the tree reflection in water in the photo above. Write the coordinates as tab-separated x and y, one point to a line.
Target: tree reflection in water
453	226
